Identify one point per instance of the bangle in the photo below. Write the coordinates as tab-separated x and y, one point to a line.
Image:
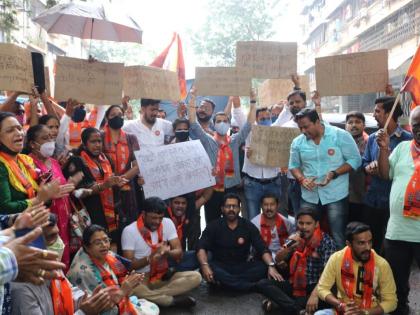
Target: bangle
204	263
340	307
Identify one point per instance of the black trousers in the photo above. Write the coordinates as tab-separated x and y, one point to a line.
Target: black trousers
377	219
400	255
281	292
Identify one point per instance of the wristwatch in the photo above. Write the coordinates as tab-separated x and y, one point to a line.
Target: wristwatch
335	174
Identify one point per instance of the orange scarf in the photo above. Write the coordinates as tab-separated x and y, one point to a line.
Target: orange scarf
75	129
160	267
124	306
101	172
179	225
20	175
348	278
119	153
62	296
224	162
412	192
299	262
266	230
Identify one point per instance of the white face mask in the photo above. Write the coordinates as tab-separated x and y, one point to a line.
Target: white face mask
47	149
222	128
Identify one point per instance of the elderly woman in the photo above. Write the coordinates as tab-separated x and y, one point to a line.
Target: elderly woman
95	265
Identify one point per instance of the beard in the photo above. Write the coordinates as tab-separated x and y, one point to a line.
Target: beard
203	118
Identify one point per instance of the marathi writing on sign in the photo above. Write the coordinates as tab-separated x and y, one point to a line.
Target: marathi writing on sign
267	60
97	83
16	73
224	81
174	169
272	91
270	146
350	74
151	82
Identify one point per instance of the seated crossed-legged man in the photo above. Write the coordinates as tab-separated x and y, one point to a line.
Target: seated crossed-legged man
363	279
309	254
229	239
274	228
148	243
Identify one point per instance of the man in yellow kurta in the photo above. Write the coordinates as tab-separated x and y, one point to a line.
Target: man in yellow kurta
364	279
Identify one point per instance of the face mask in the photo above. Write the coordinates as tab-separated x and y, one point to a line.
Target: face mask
47	149
274	118
58	247
116	122
79	115
182	135
222	128
265	122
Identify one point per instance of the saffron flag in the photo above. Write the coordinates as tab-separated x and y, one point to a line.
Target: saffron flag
172	59
412	79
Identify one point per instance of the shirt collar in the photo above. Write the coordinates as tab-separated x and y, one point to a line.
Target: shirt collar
397	132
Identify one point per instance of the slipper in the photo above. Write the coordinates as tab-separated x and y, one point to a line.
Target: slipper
267	305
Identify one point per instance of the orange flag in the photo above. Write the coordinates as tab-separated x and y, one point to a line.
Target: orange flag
172	58
412	79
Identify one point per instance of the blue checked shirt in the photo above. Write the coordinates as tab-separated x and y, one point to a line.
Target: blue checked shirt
8	267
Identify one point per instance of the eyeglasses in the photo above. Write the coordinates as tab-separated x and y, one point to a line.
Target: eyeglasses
231	207
104	241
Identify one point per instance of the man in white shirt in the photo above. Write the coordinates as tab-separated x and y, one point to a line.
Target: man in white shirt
148	243
149	130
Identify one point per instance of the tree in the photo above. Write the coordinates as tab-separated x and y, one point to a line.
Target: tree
229	21
8	19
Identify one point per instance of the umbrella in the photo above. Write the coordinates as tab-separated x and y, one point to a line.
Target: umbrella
90	21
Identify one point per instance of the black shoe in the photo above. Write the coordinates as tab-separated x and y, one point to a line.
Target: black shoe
184	301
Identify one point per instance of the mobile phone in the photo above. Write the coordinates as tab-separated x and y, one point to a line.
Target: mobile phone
289	242
38	70
38	243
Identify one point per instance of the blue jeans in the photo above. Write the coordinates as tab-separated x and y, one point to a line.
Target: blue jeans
295	195
189	262
254	192
337	214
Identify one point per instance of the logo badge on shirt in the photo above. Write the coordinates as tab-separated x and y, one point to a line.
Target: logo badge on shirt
331	151
241	241
157	133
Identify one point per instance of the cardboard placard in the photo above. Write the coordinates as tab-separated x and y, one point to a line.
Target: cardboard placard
271	145
174	169
350	74
222	81
16	73
267	60
272	91
96	82
151	82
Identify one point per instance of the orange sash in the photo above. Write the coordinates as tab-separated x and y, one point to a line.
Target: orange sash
179	225
348	278
224	162
101	172
299	262
160	267
118	153
14	166
62	296
124	306
75	129
266	230
412	192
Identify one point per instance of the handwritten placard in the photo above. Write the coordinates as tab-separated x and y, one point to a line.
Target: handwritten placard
151	82
16	73
351	74
267	60
222	81
96	82
272	91
174	169
270	146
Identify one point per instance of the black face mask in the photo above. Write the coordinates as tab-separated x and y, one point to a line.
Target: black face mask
79	115
182	135
116	122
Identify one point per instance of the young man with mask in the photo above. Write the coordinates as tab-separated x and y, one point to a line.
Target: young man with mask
149	129
320	160
230	239
362	278
259	180
376	212
148	243
223	152
57	296
181	128
306	253
355	125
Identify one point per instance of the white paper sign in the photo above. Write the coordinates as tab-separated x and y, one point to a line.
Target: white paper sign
175	169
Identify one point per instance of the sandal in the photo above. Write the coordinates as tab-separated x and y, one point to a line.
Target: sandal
267	305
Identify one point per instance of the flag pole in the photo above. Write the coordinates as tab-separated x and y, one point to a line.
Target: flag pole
391	113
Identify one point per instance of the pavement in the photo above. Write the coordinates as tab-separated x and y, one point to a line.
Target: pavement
222	302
